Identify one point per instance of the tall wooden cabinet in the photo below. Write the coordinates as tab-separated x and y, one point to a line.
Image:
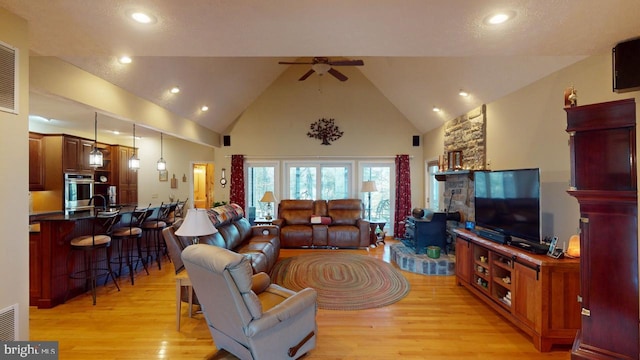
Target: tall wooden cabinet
603	180
125	179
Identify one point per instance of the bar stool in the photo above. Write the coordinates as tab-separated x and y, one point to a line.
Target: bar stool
128	234
169	219
152	228
180	211
90	246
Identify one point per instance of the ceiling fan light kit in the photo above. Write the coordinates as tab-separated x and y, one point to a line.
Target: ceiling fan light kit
323	65
321	69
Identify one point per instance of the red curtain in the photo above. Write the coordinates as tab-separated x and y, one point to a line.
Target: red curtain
237	180
403	194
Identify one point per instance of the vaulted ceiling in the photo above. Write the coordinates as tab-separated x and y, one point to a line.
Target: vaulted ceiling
418	53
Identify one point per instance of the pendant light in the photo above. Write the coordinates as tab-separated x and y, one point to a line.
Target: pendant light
134	162
162	165
95	156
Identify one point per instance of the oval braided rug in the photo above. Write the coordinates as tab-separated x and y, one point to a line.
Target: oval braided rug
343	281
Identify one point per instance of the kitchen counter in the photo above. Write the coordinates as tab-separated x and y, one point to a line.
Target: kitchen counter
78	215
49	252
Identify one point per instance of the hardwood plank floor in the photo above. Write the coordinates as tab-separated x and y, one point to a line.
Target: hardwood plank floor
437	320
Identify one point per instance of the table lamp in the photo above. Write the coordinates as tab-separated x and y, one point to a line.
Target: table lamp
197	223
369	187
574	246
268	198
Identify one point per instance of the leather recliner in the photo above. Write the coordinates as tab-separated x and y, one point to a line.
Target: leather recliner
246	314
344	226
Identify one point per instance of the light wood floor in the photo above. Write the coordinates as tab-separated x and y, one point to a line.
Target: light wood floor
437	320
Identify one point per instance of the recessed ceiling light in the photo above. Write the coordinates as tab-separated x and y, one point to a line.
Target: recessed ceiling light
463	93
125	60
204	108
142	18
500	17
436	109
116	132
174	90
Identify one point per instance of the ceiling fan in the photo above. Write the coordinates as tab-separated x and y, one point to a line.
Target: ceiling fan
323	65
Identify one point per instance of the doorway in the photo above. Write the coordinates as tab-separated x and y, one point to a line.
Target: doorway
202	185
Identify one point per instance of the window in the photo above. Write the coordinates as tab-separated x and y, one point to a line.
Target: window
261	177
310	181
378	204
433	187
315	180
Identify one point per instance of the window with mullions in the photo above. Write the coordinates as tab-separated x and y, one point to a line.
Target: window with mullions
260	178
378	204
321	181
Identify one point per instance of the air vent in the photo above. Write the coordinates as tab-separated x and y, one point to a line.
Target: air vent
8	78
9	323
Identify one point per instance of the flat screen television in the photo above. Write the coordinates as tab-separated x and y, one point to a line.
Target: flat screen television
508	202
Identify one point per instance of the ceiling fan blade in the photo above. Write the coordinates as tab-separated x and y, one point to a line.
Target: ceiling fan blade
346	63
294	63
306	75
340	76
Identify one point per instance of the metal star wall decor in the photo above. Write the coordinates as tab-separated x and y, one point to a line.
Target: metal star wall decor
325	130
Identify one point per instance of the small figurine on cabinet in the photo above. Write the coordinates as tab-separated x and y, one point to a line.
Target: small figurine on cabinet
570	97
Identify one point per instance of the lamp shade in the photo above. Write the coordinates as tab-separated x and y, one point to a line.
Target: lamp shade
268	197
369	186
197	223
95	156
574	246
321	68
162	165
134	162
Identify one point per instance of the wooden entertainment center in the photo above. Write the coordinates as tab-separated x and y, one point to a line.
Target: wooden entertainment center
537	293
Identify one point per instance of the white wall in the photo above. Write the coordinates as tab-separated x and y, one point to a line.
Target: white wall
526	129
179	155
14	177
276	125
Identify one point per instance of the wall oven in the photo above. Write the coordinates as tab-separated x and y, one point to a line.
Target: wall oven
78	190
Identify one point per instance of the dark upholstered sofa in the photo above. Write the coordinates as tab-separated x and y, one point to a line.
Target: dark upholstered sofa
322	223
261	244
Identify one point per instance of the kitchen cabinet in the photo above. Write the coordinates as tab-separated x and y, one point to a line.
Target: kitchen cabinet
35	268
75	155
36	162
125	179
537	293
602	143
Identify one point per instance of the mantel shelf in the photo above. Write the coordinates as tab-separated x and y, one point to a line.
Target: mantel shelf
442	176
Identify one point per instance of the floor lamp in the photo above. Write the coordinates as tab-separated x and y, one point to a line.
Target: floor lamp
369	187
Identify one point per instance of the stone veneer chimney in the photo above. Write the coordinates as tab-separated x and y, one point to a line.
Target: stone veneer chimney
467	134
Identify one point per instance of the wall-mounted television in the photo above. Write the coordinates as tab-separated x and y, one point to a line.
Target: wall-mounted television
508	202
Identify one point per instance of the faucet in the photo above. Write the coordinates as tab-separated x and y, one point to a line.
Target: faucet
104	201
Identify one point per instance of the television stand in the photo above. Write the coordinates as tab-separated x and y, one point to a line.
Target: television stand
537	293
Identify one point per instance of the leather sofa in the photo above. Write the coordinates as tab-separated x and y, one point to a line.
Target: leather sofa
261	244
322	224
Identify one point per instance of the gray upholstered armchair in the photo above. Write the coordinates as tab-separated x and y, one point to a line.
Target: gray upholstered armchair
246	314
